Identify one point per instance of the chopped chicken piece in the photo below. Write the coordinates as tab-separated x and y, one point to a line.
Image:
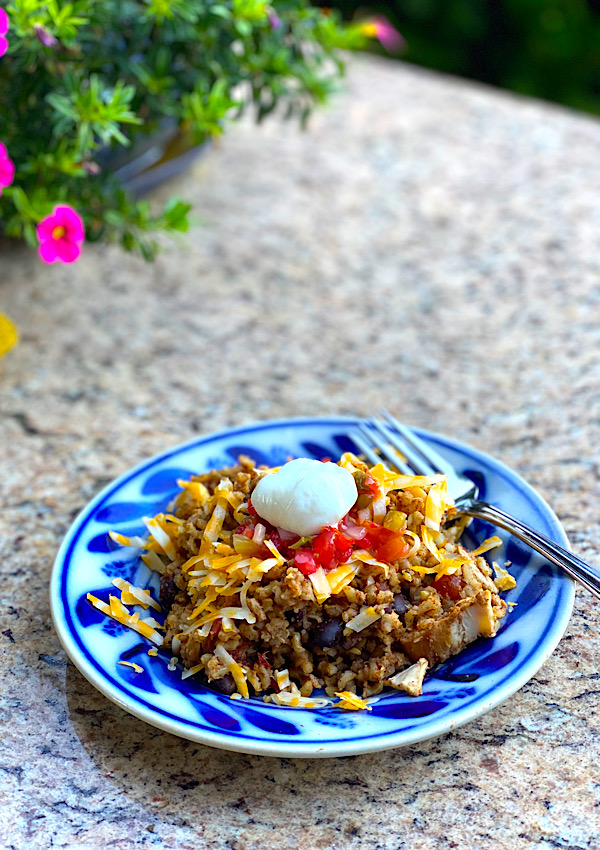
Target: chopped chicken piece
469	619
411	679
477	580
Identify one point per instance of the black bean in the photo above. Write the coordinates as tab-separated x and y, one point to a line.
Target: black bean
168	592
328	633
226	685
295	619
400	604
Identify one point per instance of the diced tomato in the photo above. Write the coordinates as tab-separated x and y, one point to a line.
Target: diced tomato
246	527
376	535
386	545
251	509
331	548
305	561
324	548
343	547
395	548
449	586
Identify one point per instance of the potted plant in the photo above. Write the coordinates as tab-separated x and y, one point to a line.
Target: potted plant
80	81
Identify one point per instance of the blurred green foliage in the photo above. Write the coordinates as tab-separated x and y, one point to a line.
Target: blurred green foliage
544	48
83	79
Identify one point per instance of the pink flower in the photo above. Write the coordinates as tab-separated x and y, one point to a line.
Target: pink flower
3	31
387	35
7	168
61	235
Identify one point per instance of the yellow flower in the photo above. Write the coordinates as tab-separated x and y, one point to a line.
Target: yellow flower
369	30
381	29
8	334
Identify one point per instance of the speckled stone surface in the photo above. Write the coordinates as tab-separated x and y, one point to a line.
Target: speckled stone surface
428	244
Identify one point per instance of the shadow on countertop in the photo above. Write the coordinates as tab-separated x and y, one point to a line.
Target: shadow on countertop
231	791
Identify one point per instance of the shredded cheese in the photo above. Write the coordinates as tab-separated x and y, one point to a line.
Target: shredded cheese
366	617
366	558
135	667
161	537
429	542
351	702
321	587
191	671
339	578
196	489
153	561
438	500
214	525
451	565
282	677
503	579
131	595
118	612
276	553
488	543
292	700
239	677
229	565
416	543
122	540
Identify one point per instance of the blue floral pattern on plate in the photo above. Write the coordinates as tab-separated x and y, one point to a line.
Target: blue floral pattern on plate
463	688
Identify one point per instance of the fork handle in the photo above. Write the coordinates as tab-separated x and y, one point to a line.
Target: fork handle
578	569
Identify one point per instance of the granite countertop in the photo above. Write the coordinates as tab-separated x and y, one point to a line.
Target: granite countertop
428	244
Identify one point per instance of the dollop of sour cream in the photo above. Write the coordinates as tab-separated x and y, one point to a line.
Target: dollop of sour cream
305	495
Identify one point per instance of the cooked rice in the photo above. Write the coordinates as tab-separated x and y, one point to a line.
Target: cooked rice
244	618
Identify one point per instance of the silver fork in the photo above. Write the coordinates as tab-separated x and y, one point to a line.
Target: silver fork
401	448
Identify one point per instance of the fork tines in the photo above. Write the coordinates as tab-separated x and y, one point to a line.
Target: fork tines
399	446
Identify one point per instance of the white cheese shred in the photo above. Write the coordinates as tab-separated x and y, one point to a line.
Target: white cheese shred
366	617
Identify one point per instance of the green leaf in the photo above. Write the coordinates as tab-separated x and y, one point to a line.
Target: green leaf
124	70
95	109
243	27
30	234
221	11
175	215
250	10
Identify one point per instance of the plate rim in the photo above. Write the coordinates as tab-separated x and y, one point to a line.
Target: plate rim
354	746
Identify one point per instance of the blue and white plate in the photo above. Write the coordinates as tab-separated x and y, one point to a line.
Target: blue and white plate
463	688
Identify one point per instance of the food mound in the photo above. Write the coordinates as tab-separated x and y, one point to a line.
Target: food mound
373	600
